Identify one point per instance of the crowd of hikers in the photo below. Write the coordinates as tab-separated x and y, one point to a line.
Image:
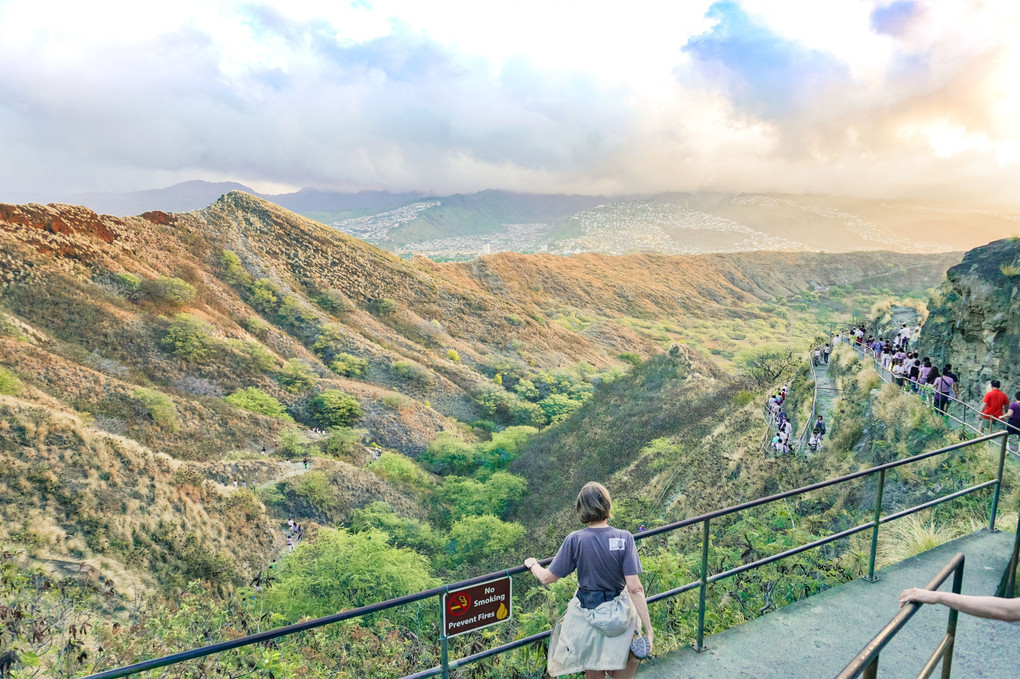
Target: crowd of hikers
939	387
783	428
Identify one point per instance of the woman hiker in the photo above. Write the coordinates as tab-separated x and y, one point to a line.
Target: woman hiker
596	635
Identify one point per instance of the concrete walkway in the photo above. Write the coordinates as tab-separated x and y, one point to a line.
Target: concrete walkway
818	636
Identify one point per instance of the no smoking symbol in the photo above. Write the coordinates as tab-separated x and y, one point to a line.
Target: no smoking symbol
459	604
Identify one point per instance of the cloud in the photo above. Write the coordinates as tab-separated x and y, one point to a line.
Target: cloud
868	98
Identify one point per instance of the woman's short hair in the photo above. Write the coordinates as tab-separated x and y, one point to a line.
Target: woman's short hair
593	503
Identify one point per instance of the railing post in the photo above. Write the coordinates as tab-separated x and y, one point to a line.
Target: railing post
444	656
874	531
871	671
699	646
1013	562
998	485
947	656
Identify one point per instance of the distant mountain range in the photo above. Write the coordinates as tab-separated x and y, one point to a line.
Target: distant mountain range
465	226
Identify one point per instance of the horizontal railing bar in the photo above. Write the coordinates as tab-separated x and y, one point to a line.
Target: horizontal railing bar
937	501
673	592
935	658
815	486
467	660
875	646
790	552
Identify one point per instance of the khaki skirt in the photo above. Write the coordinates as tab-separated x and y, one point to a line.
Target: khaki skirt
576	646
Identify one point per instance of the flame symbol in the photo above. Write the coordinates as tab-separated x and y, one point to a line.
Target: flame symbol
501	612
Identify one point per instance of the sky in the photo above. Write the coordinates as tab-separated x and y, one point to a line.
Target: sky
866	98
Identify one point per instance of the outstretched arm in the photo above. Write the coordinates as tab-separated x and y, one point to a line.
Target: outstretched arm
544	575
992	607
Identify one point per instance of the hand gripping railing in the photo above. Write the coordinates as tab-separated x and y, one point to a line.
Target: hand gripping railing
702	583
866	662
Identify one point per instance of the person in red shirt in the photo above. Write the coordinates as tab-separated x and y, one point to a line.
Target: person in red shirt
996	402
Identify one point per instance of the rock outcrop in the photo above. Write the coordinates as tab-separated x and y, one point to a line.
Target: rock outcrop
974	319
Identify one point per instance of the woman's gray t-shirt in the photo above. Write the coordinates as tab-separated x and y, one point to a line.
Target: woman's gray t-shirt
601	556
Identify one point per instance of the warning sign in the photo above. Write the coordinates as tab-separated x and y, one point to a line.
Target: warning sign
471	608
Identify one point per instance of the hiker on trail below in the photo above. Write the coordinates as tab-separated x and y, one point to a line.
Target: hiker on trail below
996	405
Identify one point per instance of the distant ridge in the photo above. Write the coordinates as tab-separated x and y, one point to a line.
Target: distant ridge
464	226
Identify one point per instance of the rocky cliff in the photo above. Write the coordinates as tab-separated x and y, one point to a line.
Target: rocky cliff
974	319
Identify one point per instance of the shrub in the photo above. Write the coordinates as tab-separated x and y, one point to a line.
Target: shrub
342	570
127	282
395	402
633	359
294	314
10	385
334	302
256	356
742	398
403	532
189	338
344	442
255	400
297	376
167	290
558	407
264	295
484	538
315	487
334	408
411	372
397	468
349	366
233	269
256	326
384	307
468	497
453	355
159	407
293	444
448	454
1010	270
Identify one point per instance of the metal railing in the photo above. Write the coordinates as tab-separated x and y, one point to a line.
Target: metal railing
866	662
701	584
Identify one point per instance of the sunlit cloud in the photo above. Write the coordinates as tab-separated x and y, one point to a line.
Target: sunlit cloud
874	98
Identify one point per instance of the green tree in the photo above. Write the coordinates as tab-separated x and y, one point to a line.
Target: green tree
189	338
334	408
449	454
764	365
558	406
340	570
297	376
468	497
484	538
403	532
255	400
